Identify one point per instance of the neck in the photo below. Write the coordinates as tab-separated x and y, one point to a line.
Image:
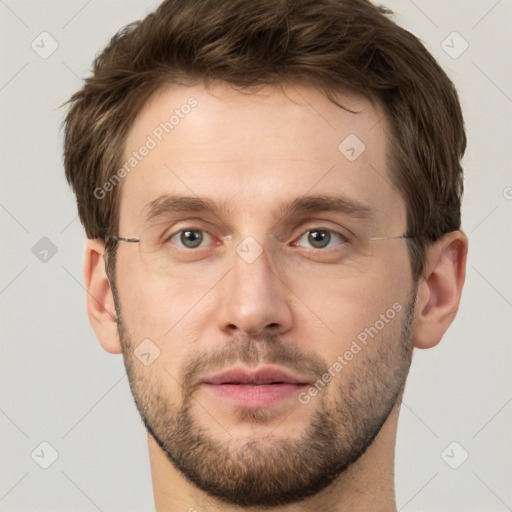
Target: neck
368	484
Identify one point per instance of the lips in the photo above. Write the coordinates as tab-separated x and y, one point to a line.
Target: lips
255	389
259	377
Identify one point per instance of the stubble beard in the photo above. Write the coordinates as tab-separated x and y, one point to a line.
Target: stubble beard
275	470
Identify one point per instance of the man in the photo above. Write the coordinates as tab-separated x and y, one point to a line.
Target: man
271	192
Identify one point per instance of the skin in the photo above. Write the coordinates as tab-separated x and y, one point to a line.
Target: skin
255	152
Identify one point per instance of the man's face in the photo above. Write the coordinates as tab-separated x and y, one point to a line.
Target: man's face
282	297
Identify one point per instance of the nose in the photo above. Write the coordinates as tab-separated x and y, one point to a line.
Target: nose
254	300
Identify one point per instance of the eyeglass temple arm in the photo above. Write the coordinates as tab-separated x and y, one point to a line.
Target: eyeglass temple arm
384	238
121	239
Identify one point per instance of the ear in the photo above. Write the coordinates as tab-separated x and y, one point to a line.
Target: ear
100	301
440	288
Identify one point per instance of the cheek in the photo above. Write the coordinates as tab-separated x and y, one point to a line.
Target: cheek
167	311
338	312
154	298
144	311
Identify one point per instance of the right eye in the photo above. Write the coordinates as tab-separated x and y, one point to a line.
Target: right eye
190	238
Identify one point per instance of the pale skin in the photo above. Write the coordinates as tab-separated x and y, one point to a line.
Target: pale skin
256	152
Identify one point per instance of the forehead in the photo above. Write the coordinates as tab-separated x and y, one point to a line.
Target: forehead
256	150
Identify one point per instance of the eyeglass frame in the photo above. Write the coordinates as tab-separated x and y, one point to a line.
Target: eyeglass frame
404	236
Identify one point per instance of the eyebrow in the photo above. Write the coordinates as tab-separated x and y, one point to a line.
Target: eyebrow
299	206
325	203
182	204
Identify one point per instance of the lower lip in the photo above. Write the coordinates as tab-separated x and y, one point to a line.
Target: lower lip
255	397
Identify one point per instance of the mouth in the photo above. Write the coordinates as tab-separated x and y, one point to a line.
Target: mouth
260	388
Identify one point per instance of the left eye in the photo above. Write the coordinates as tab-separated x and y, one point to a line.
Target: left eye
191	238
320	239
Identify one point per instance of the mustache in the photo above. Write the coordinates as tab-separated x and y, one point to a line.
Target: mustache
268	349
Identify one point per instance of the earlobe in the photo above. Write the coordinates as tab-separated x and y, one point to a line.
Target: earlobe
100	301
440	289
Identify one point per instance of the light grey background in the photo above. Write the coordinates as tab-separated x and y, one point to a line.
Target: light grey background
58	386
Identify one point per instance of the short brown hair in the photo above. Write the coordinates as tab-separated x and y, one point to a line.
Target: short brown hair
332	44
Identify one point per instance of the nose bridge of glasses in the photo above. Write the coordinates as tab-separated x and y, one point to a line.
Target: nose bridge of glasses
257	268
250	248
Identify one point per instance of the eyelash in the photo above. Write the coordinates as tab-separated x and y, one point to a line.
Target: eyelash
344	239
